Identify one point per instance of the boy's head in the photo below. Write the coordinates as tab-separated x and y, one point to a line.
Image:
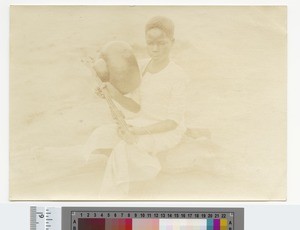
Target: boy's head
162	23
159	32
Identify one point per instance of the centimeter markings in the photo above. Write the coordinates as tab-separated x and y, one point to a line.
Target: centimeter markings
32	218
45	218
37	221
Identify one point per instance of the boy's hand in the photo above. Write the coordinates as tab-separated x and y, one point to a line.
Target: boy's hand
113	92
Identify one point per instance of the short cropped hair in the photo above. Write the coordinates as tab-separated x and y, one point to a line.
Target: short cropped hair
163	23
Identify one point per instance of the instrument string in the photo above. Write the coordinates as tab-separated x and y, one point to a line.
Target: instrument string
115	111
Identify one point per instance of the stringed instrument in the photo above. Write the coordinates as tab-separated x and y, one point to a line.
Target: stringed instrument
117	65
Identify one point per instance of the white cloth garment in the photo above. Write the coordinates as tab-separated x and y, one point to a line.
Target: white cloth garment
162	97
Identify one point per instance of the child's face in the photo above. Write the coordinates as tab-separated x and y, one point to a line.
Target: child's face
159	44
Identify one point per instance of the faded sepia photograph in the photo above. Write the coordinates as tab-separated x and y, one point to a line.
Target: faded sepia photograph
148	103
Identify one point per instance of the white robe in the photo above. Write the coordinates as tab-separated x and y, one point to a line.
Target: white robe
162	97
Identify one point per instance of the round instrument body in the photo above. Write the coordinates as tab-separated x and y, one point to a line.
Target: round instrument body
120	68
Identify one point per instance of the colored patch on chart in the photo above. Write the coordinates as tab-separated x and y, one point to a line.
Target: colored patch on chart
145	224
91	224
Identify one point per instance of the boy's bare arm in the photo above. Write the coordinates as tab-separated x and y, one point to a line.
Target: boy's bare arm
124	101
159	127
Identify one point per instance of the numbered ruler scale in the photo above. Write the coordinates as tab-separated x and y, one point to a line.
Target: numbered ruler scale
92	218
45	218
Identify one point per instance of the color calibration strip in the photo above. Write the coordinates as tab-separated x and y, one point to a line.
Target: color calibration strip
135	218
151	224
147	220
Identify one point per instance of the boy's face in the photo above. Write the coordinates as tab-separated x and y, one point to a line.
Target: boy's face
158	44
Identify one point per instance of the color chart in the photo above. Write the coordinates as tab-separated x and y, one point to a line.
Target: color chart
151	224
155	218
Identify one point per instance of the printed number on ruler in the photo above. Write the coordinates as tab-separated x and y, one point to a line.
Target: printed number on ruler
45	218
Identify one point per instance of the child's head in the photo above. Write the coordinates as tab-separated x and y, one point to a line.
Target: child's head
159	33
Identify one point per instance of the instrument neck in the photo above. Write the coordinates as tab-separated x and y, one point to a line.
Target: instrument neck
117	114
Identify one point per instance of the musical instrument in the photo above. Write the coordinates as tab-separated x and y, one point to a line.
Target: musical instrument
123	71
117	65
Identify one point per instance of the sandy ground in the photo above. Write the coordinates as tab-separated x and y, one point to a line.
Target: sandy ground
236	60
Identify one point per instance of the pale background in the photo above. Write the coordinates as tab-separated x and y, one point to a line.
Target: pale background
235	58
284	212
